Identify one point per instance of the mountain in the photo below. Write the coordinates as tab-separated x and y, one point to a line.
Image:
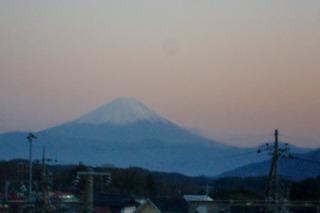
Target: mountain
122	111
126	133
298	167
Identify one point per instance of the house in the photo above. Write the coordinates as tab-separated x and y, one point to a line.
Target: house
114	203
185	204
163	205
147	207
201	208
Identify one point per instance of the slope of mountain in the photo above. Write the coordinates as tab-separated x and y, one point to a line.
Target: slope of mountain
126	133
299	167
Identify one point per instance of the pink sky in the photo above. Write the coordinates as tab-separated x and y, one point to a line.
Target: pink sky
234	70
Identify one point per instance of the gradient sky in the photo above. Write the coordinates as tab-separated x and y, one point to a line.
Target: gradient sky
234	70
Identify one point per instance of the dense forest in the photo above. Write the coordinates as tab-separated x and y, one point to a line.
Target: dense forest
143	183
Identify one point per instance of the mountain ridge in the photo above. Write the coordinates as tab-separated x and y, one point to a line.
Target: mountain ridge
297	167
135	136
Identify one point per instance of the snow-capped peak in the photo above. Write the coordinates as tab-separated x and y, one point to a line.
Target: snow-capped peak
121	111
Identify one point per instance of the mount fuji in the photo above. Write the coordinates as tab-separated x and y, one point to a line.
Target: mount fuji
126	120
126	133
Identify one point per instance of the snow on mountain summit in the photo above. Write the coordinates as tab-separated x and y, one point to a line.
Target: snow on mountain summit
121	111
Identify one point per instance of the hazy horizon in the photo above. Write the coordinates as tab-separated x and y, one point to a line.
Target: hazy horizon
232	70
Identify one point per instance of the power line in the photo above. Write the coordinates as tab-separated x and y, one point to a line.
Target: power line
302	159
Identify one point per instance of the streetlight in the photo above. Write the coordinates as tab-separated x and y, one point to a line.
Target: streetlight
30	137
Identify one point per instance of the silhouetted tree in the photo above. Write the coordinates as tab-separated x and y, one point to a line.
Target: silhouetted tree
308	189
151	184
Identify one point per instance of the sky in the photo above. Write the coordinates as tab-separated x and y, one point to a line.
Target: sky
232	70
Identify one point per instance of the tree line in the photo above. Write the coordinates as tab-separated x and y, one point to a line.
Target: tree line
143	183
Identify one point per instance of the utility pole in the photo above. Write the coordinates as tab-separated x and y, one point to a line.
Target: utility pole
272	191
43	181
30	138
88	192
